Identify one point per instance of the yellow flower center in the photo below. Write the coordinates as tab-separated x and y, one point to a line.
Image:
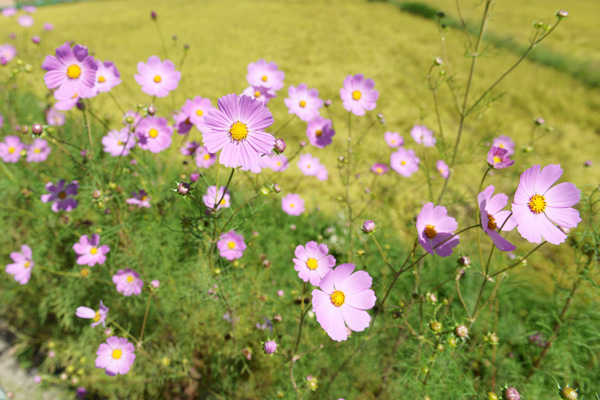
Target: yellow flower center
492	222
11	150
153	133
120	143
238	131
231	245
338	298
84	272
157	79
199	112
318	133
537	204
497	160
73	71
501	146
130	279
27	264
223	202
403	162
302	103
264	78
101	79
144	198
93	250
117	353
97	318
356	95
257	94
62	195
430	231
379	170
312	263
292	205
37	151
207	156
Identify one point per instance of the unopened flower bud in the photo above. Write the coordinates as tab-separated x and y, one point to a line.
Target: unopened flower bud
264	191
37	129
327	102
568	393
435	326
280	145
369	226
440	14
303	144
462	331
464	261
564	230
511	393
452	342
270	347
24	129
432	298
438	61
183	188
186	46
460	272
538	24
96	194
153	15
129	119
28	67
492	396
35	39
540	121
561	14
151	109
277	188
194	177
37	379
493	339
155	284
277	318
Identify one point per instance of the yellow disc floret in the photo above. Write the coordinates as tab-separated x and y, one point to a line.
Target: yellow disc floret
11	150
302	103
318	133
312	263
264	78
157	79
537	204
238	131
117	353
338	298
356	95
130	279
231	245
430	231
62	195
27	264
199	112
101	79
94	250
153	133
492	222
97	316
73	71
257	94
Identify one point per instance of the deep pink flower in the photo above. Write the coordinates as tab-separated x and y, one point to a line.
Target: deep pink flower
393	139
342	300
140	199
237	128
422	135
212	196
60	195
189	148
265	74
118	142
319	132
292	204
494	219
154	134
498	158
29	9
404	162
197	109
358	94
22	266
116	356
55	117
128	282
72	71
442	168
260	93
89	252
231	245
204	159
506	143
277	162
99	316
303	102
538	208
308	164
38	151
107	76
157	77
7	53
10	149
313	262
434	226
182	123
379	168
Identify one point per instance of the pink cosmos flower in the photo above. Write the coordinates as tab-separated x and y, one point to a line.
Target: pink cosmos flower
9	12
48	26
319	132
182	123
140	199
154	134
231	245
313	262
7	53
60	195
423	136
237	128
342	300
434	226
1	121
265	74
442	168
22	266
506	143
292	204
197	109
498	158
89	252
393	139
107	76
72	71
64	102
379	169
189	148
303	102
538	208
26	21
118	142
212	196
10	149
55	117
358	94
404	162
116	356
204	159
128	282
308	164
157	77
38	151
494	219
278	162
99	316
29	9
260	93
322	173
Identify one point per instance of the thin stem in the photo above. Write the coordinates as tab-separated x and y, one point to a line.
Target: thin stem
301	318
144	323
518	262
382	255
87	126
284	125
224	191
348	201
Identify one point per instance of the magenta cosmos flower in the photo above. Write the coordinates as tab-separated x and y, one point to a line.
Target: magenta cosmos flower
61	195
422	135
116	356
89	252
157	77
292	204
262	73
128	282
154	134
434	226
182	123
303	102
99	316
442	168
393	139
72	71
107	76
358	94
313	262
203	158
231	245
196	110
342	300
260	93
538	208
189	148
404	162
379	169
498	158
319	132
494	219
38	151
237	128
22	266
212	196
506	143
7	53
308	164
11	148
140	199
118	142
